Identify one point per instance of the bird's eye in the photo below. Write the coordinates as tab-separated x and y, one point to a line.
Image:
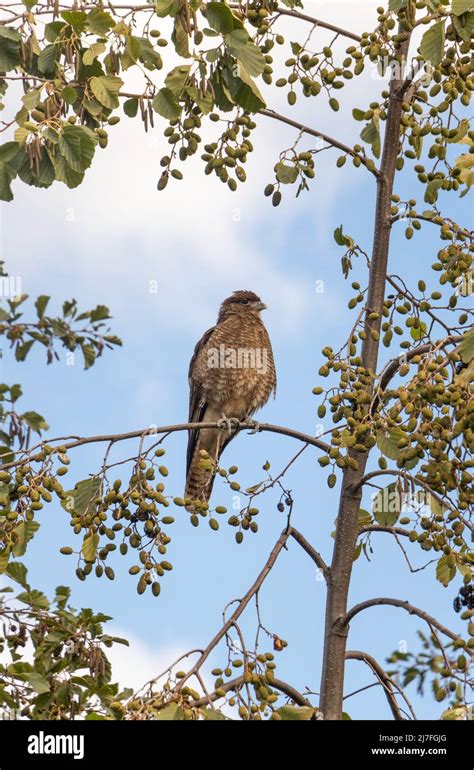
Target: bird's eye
245	302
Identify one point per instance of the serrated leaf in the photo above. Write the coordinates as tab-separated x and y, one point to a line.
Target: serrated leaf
371	134
176	78
95	50
130	107
419	332
89	546
464	25
4	558
386	506
77	146
173	712
252	58
166	105
38	682
41	304
296	712
89	353
47	59
212	715
244	91
285	173
395	5
466	346
219	17
106	90
10	55
80	499
35	421
432	44
459	7
17	571
100	22
444	572
35	599
387	442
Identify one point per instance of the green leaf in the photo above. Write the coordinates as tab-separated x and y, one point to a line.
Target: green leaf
219	17
130	107
100	313
176	79
77	146
89	546
80	499
38	682
180	39
466	346
93	52
24	531
88	351
395	5
106	90
371	134
244	91
296	712
4	557
35	421
419	332
387	442
31	98
205	103
172	712
166	105
446	569
252	58
41	304
386	506
431	192
432	44
47	60
22	351
212	715
76	19
464	25
7	174
8	151
285	173
100	22
167	7
459	7
17	571
35	599
10	56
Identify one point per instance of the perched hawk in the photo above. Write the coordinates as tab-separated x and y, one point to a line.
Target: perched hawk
231	375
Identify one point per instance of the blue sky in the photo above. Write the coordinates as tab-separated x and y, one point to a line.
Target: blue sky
107	242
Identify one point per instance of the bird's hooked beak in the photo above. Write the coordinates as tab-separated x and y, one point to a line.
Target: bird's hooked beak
260	306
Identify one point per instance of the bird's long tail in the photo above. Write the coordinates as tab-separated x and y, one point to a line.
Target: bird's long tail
203	466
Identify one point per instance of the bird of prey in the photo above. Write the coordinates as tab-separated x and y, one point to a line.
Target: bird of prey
231	375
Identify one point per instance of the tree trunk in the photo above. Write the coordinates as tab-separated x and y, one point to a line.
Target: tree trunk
332	682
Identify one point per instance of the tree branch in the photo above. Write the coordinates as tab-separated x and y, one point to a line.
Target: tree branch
316	557
394	365
390	530
405	605
116	437
277	548
318	134
235	684
384	679
148	7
